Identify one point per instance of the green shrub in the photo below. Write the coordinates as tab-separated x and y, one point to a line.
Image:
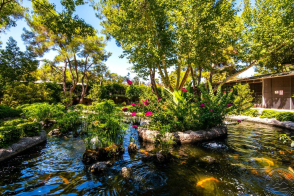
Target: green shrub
269	114
133	92
68	121
26	94
8	112
29	129
14	122
251	112
9	135
285	116
242	98
43	111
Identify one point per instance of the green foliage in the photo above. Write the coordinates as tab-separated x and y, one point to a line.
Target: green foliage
285	116
242	98
251	112
16	65
55	90
133	92
14	122
29	129
6	112
43	111
68	121
269	114
9	135
21	93
285	138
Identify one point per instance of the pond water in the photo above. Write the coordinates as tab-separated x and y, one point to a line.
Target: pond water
250	161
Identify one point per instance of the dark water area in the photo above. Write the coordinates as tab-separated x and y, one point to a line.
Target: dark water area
250	161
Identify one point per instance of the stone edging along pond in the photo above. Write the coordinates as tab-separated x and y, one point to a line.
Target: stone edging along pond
268	121
22	145
187	137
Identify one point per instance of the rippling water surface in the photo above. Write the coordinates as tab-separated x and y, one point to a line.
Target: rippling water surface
250	161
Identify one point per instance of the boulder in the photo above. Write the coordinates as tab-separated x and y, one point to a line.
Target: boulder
126	173
103	154
100	167
183	137
55	132
208	159
132	149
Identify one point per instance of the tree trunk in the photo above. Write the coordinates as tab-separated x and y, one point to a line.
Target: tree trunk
153	83
64	77
185	77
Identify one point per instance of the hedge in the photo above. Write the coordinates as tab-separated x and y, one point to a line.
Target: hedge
269	114
9	135
8	112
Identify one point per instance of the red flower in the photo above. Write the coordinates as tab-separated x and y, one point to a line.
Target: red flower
211	110
202	105
135	126
225	91
229	105
239	121
134	113
184	90
133	104
124	109
129	82
139	105
148	113
145	102
231	89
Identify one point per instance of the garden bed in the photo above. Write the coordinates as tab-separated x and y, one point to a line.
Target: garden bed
268	121
22	145
187	137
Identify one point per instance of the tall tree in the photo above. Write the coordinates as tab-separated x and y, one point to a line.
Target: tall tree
77	44
16	65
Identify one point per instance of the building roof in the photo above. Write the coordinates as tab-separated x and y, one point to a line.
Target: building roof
289	73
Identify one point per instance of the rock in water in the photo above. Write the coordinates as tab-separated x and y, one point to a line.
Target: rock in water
100	166
132	149
208	159
126	172
54	132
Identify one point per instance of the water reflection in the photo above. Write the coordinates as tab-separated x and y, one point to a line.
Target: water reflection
249	161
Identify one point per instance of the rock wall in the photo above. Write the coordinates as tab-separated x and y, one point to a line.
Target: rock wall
22	145
186	137
268	121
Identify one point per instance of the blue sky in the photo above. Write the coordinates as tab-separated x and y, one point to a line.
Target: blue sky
114	63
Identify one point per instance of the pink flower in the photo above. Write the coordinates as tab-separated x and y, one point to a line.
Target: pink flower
145	102
129	82
239	121
148	113
231	89
134	113
135	126
139	105
184	90
133	104
124	109
229	105
225	91
158	98
202	105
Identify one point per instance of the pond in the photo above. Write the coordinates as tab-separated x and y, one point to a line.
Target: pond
250	161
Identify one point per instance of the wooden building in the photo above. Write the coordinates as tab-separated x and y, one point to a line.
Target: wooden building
271	90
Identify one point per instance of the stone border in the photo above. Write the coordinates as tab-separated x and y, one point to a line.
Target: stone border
187	137
22	145
268	121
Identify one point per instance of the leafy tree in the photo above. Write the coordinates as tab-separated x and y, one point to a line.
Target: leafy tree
10	11
16	65
79	48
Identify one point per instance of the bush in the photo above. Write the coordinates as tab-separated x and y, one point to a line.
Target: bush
133	92
269	114
43	111
26	94
285	116
6	112
29	129
242	98
9	135
14	122
69	121
251	112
